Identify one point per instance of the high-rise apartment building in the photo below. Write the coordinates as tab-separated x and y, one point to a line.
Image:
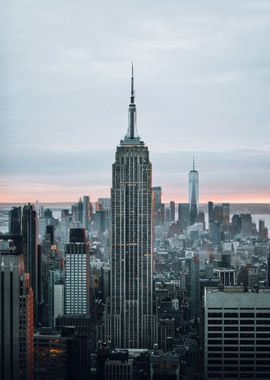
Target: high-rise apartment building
246	224
26	321
30	251
193	194
219	221
159	209
16	315
86	211
172	211
56	299
129	321
80	210
195	286
77	235
15	221
77	275
183	215
54	355
268	267
211	218
105	203
237	334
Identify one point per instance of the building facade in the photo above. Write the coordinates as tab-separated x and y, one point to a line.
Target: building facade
237	334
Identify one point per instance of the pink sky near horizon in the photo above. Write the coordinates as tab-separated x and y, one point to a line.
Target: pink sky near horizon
66	194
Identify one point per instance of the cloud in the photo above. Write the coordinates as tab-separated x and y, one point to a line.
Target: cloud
202	79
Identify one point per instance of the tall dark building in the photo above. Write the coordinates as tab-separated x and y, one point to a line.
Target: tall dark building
30	254
130	322
86	211
80	210
195	286
225	215
15	221
172	211
246	224
263	231
236	224
193	194
183	215
50	234
48	213
211	218
268	267
219	221
77	235
159	209
16	315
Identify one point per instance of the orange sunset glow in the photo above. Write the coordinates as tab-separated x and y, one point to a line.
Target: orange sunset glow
54	193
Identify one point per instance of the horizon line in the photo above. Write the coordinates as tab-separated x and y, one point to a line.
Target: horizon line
166	202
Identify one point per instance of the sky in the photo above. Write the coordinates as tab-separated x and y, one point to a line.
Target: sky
202	83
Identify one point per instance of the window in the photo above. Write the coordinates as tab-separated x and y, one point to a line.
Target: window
247	335
231	335
247	322
247	315
263	315
214	315
214	341
231	322
231	315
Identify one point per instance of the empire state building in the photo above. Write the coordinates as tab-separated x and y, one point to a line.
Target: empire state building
129	318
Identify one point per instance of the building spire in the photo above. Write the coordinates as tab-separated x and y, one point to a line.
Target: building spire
132	131
193	166
132	85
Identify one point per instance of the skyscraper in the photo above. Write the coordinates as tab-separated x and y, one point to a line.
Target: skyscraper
195	285
130	322
77	274
30	255
159	209
237	344
16	315
172	211
86	211
193	194
80	210
211	218
15	220
183	215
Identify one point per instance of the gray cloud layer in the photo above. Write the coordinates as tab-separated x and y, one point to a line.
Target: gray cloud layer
202	75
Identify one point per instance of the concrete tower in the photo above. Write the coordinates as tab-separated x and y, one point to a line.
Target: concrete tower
77	274
130	322
30	254
16	315
193	194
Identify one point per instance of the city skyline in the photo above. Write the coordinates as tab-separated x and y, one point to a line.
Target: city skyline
64	92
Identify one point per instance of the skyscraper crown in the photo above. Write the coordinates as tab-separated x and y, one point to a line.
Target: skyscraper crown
132	137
